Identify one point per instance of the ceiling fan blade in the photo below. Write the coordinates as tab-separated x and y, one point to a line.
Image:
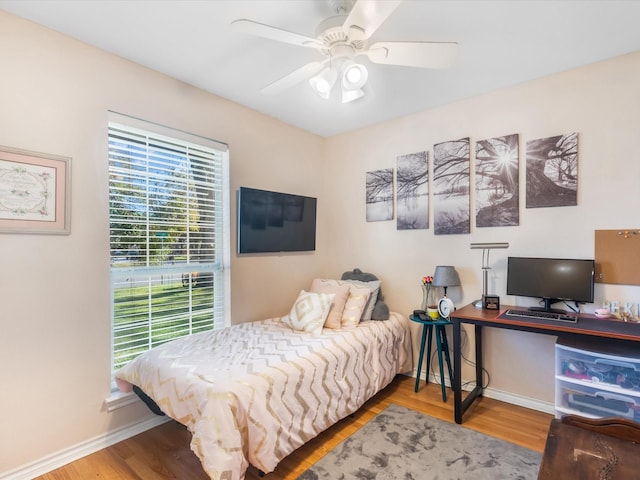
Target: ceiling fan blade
414	54
274	33
366	16
295	77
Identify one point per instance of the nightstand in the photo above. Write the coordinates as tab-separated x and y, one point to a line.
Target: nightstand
442	345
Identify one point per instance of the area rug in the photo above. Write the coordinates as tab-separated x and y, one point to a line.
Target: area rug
401	444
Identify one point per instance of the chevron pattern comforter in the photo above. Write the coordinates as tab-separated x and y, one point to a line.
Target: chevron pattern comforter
254	392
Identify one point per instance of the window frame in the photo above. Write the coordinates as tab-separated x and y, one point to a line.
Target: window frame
151	129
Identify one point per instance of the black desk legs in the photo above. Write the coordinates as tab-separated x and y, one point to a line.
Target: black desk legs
457	371
478	334
460	406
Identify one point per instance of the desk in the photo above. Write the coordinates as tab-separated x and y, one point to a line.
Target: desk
442	345
586	326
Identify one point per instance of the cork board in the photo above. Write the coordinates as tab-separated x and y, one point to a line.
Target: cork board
618	256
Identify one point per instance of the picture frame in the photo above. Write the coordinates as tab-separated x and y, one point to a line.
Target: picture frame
35	192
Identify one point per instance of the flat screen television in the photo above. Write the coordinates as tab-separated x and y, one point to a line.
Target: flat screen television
551	279
271	222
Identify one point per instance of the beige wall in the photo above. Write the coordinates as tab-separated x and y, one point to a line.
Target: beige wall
600	102
54	290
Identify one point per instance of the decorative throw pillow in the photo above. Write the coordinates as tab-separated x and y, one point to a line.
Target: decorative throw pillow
374	286
341	292
356	303
309	312
380	310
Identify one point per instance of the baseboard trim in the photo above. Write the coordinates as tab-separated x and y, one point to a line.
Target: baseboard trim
75	452
520	400
507	397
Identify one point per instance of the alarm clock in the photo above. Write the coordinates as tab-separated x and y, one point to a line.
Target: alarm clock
445	307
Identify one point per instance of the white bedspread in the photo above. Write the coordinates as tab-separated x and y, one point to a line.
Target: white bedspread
256	391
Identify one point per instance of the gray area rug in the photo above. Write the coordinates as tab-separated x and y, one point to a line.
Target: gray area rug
401	444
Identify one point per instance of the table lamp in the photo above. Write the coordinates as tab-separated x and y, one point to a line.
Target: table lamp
445	276
487	301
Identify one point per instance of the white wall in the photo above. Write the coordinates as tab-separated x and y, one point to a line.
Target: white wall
600	102
54	290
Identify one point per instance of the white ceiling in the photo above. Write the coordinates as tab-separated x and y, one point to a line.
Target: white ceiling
501	43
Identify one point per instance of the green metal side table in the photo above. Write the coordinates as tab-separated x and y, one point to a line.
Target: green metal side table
442	345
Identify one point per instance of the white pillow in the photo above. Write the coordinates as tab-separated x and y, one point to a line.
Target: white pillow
354	308
309	312
374	286
320	285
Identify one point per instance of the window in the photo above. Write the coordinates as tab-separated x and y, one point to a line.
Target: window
169	236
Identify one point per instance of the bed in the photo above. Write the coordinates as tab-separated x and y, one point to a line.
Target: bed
256	391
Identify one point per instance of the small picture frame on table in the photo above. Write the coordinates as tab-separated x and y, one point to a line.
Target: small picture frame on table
491	302
35	192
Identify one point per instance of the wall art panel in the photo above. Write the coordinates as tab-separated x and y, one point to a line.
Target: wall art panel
412	191
496	169
451	194
552	171
379	191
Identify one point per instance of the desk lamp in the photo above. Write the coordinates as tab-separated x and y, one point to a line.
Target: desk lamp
487	301
445	276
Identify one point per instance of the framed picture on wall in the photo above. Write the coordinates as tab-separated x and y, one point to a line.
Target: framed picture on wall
35	192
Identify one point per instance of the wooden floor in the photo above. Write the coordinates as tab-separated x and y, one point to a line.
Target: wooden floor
163	452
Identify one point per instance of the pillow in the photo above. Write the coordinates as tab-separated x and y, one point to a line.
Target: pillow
356	303
309	312
380	310
341	292
374	287
357	274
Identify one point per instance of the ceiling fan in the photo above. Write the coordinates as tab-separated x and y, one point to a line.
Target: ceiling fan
343	38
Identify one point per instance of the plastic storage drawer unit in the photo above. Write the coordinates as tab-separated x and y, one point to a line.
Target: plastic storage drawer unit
597	380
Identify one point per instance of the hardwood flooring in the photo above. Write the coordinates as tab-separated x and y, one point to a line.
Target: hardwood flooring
163	452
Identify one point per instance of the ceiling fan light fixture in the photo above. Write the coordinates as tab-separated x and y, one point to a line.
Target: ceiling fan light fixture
354	75
351	95
324	82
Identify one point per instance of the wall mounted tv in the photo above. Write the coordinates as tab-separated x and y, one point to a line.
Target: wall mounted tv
271	222
551	279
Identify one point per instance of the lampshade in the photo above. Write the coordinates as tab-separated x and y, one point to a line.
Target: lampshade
489	245
445	276
351	95
354	75
324	81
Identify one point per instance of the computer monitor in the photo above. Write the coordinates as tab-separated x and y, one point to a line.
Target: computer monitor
551	279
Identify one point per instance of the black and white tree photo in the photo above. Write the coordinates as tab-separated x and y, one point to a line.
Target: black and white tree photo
552	171
379	195
497	167
412	191
451	187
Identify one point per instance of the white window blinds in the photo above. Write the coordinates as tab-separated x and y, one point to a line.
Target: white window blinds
168	213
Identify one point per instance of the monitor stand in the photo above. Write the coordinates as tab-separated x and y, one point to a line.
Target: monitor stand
547	306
